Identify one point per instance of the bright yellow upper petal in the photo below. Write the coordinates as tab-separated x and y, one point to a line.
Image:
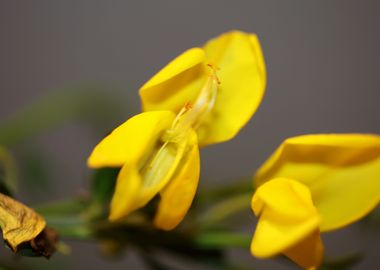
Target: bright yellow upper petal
176	84
131	140
242	83
341	170
177	196
242	78
287	221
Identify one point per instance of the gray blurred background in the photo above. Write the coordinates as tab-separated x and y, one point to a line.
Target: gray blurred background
322	60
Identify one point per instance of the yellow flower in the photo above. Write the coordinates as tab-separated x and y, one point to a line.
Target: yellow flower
313	184
158	153
238	58
185	102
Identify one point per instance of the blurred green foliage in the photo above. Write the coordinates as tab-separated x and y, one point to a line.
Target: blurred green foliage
93	105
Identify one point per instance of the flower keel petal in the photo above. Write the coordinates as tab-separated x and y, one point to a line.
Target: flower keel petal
178	195
287	217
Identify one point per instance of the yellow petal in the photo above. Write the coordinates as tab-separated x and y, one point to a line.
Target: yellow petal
242	75
138	182
178	195
176	84
131	140
287	220
18	222
341	170
308	253
160	171
127	188
242	83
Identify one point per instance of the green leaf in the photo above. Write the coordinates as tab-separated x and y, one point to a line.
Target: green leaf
214	239
90	104
224	210
8	178
102	188
71	207
103	184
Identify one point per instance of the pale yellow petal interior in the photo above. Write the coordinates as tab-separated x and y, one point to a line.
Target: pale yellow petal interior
137	184
177	196
144	177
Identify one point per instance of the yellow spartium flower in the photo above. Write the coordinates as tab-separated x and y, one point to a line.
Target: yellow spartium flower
313	184
241	70
157	153
186	103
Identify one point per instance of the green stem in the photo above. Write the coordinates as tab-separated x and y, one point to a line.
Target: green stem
10	179
223	240
225	209
237	187
69	206
67	218
72	227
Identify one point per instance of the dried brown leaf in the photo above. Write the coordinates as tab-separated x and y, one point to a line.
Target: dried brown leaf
18	222
45	243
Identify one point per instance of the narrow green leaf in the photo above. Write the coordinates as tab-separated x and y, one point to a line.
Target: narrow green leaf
103	184
90	104
223	240
8	175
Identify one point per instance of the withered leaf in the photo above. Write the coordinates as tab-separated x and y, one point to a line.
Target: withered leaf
18	222
45	243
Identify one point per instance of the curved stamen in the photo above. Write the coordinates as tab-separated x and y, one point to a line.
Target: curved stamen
192	116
